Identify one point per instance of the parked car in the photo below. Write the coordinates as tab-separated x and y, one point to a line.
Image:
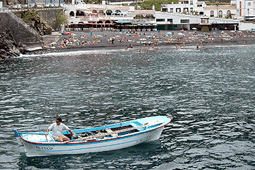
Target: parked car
31	5
47	5
24	6
39	5
18	6
67	33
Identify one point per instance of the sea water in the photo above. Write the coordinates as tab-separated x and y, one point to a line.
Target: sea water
209	92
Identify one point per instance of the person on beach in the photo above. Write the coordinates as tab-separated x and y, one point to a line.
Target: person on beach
176	46
57	129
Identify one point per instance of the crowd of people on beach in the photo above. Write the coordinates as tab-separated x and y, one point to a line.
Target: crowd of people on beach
149	40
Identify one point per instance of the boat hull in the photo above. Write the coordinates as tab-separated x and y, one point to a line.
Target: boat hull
34	149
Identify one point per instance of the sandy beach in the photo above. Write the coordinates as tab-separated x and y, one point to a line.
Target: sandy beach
144	41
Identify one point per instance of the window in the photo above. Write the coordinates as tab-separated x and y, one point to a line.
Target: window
204	20
191	2
178	9
171	10
249	3
212	13
170	20
199	5
71	13
80	13
220	13
108	12
164	9
160	20
184	20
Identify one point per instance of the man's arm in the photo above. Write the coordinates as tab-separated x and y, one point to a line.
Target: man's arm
50	128
71	132
47	131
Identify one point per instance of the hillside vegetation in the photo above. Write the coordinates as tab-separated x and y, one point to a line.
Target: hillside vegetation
149	3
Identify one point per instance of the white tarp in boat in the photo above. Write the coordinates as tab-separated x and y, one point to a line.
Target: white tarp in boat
37	138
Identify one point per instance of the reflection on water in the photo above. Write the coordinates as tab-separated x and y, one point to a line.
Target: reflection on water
209	93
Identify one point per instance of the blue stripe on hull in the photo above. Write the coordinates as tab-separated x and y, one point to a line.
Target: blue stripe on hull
94	147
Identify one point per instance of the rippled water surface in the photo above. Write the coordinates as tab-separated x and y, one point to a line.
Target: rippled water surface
209	93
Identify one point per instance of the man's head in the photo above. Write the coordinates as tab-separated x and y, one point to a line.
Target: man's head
58	120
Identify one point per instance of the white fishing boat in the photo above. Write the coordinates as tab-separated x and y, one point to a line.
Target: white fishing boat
98	139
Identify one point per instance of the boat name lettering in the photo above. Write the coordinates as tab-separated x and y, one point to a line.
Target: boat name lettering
44	147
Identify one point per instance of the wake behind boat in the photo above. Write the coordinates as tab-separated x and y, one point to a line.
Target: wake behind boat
98	139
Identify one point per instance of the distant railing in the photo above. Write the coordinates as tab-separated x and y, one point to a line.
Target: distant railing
104	16
10	8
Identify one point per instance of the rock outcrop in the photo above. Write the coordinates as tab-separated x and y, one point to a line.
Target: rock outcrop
8	46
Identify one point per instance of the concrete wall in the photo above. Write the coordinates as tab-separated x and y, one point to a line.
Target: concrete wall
50	16
246	26
18	30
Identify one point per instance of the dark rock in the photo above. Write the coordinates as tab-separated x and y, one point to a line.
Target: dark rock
8	46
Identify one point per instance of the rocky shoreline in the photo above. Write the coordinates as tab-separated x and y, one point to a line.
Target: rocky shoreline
9	47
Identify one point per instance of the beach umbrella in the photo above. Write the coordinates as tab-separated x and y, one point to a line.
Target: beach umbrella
168	33
232	31
194	28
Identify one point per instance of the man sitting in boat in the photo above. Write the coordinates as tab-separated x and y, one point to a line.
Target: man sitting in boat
57	129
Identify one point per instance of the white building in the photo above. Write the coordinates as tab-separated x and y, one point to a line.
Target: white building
244	8
109	16
185	6
237	9
177	21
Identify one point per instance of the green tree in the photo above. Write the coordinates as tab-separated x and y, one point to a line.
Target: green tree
61	19
29	15
158	4
229	16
